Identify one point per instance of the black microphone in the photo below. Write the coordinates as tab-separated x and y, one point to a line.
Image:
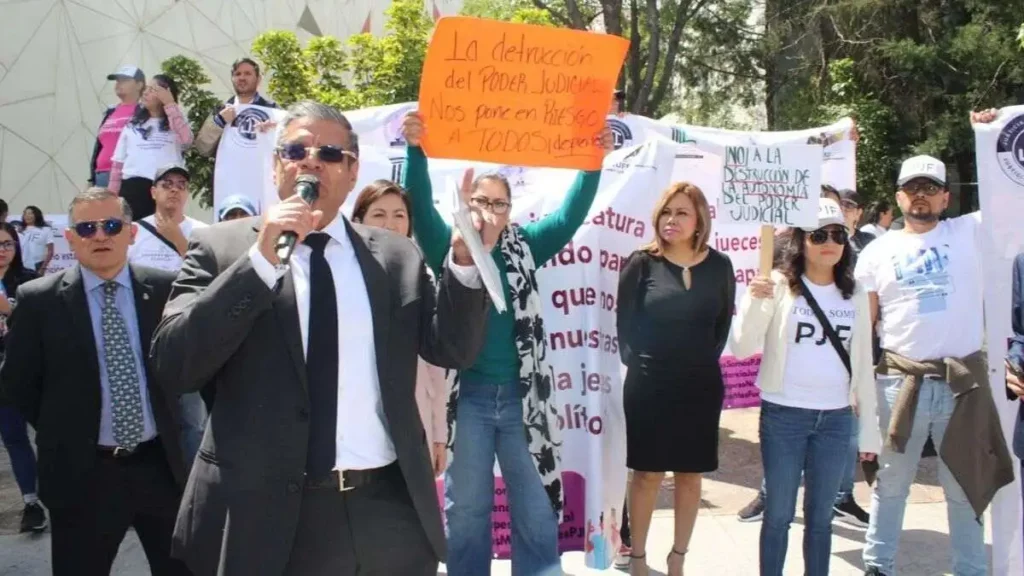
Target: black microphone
307	187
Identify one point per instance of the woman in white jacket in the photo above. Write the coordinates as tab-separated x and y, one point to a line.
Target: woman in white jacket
813	384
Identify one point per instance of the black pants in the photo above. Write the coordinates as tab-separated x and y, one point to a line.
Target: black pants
369	531
138	491
139	195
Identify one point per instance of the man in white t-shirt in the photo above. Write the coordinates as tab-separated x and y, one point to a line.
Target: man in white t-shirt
161	242
163	237
925	286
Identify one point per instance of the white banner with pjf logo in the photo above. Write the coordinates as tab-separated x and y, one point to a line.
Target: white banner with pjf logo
245	156
579	285
1000	158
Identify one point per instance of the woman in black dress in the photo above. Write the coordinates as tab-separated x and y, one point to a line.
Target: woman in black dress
674	311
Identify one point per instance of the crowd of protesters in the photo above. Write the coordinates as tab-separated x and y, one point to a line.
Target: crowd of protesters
248	399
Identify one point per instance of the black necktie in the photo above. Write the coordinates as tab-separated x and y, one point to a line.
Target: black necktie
321	361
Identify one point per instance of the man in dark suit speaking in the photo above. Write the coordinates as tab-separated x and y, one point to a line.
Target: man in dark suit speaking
314	461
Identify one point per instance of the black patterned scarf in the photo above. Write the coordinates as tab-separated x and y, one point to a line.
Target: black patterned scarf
536	377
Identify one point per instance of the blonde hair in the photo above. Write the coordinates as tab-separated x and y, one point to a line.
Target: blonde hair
700	203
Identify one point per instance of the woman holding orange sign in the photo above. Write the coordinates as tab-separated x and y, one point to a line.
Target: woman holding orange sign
509	389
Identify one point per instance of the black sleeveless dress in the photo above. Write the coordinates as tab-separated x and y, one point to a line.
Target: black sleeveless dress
671	339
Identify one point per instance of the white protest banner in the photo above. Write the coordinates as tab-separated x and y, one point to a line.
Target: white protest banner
579	286
778	185
630	130
1000	160
245	156
839	161
63	257
381	126
703	163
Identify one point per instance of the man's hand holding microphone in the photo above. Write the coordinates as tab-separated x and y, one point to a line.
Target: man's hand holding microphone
291	215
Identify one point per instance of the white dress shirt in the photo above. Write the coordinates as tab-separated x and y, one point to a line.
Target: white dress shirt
363	440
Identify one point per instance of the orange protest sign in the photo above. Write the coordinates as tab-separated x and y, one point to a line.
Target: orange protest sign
517	94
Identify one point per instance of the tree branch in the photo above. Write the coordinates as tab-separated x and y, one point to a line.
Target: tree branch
575	16
557	17
691	60
654	47
612	10
633	71
683	17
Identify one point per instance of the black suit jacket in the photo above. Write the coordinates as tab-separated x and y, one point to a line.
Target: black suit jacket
224	327
51	374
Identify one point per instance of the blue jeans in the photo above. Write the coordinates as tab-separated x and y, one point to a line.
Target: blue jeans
850	474
795	442
896	473
490	421
14	431
102	179
193	424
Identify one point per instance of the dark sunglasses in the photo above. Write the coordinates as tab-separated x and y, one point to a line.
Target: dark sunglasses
819	237
296	151
927	188
111	227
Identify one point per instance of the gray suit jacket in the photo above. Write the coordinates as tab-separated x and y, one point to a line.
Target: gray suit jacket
224	328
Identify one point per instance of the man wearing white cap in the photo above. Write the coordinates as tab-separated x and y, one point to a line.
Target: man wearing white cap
129	82
925	286
161	242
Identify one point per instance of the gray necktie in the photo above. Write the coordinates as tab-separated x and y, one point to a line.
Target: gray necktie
122	375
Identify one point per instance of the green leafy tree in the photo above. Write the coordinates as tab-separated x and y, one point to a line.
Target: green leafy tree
199	102
291	73
692	57
921	67
370	71
519	11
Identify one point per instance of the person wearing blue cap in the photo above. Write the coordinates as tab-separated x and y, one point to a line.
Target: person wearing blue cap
235	207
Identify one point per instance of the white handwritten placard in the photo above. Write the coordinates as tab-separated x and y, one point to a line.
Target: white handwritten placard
773	185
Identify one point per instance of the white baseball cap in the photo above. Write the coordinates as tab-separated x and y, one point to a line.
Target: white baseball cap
829	213
132	72
922	167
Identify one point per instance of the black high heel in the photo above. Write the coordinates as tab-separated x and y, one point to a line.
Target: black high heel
641	569
675	552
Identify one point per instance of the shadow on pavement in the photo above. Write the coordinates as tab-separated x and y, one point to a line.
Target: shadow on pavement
931	548
739	461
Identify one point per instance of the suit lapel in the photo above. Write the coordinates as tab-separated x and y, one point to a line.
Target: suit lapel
288	316
72	293
378	288
287	312
146	309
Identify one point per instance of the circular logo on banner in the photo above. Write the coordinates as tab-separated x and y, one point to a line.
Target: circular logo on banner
245	125
1010	150
621	134
393	126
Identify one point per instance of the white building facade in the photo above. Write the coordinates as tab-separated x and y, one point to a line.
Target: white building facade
55	56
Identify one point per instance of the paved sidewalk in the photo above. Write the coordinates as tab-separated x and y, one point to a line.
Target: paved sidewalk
721	546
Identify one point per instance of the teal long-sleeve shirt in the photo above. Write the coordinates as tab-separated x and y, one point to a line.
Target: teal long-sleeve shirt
498	361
